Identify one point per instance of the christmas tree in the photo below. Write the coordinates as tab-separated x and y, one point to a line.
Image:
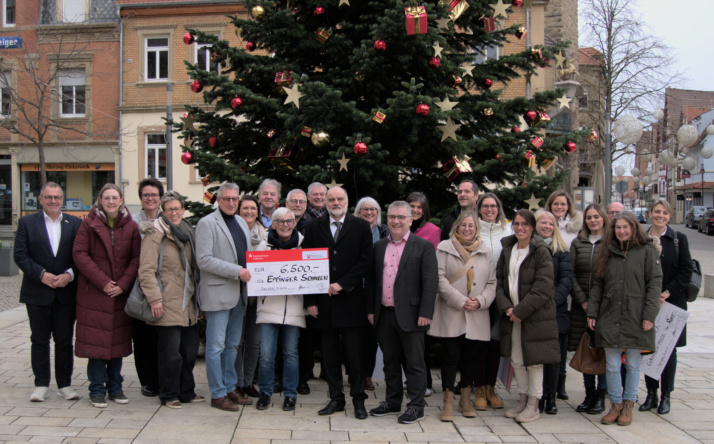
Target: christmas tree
382	96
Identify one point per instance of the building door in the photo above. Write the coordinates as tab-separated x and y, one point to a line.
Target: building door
5	190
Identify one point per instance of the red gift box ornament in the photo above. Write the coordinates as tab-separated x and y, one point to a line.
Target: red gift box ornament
209	197
456	7
530	159
271	134
537	54
489	24
521	32
379	117
281	151
548	163
543	117
415	19
537	142
592	137
455	166
323	34
206	180
306	131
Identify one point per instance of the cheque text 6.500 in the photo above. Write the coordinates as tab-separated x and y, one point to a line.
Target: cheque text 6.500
293	268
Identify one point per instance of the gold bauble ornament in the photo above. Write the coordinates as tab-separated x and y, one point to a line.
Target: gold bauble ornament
257	12
320	138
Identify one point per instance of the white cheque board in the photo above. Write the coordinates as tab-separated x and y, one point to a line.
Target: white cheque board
285	272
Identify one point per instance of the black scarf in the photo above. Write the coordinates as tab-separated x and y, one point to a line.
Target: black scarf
289	244
183	233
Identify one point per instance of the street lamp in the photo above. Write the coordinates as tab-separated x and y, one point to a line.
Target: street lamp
701	171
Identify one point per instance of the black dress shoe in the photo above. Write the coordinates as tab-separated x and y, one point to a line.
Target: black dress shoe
149	391
360	411
264	402
303	388
332	407
289	403
249	390
385	409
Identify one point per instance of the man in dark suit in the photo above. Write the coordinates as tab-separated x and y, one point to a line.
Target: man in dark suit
43	251
403	286
341	311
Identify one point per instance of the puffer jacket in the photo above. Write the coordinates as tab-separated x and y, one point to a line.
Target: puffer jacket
570	227
103	254
282	310
627	295
491	234
179	280
582	256
563	280
536	306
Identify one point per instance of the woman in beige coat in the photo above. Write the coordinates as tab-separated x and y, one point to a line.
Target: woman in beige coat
467	287
173	301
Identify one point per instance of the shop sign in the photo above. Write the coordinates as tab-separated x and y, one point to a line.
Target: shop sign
69	167
686	174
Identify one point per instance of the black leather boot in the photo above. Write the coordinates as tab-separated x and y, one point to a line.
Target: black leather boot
663	408
651	400
550	407
561	388
589	395
598	404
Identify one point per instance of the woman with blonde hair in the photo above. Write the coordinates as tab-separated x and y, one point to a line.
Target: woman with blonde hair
570	220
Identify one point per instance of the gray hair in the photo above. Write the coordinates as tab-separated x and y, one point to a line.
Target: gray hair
314	185
172	195
295	191
400	204
281	212
369	201
272	182
50	185
227	186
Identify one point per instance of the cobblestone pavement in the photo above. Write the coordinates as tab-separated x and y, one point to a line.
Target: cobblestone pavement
10	291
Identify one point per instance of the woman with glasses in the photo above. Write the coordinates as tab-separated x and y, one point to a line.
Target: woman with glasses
106	253
173	300
467	287
524	295
280	314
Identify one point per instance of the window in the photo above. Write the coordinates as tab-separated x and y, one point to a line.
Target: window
73	11
157	58
583	100
203	58
8	12
73	92
5	98
487	53
155	156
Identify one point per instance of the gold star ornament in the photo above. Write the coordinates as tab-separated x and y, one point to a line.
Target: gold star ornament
559	59
533	202
443	23
446	105
344	2
188	122
564	102
333	184
343	162
437	49
500	9
468	67
449	130
293	94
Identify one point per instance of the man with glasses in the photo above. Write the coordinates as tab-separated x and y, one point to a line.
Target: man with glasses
467	195
222	240
43	251
340	312
402	293
614	208
297	203
316	193
268	197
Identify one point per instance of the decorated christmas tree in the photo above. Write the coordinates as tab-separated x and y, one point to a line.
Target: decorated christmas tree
382	96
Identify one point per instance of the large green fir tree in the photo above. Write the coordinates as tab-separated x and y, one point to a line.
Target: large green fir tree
323	80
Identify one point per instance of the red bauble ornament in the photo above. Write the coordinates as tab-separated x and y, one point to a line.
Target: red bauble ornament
188	38
236	102
380	45
570	147
422	109
319	10
196	86
516	129
360	148
250	46
187	158
434	62
213	141
516	3
531	116
487	83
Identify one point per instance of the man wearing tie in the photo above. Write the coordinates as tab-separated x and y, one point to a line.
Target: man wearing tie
43	251
340	312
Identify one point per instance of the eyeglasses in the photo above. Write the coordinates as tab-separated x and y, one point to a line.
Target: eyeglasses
53	197
489	207
399	218
297	201
150	196
520	224
367	210
287	222
230	199
173	210
111	198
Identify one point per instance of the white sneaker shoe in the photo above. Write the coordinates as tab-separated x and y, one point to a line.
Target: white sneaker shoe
39	394
68	393
428	392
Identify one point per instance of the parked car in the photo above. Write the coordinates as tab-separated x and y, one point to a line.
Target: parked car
706	222
691	219
641	214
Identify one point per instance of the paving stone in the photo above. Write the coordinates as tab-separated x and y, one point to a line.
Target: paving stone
50	431
364	436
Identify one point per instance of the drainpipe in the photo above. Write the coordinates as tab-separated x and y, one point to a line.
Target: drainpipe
528	44
121	95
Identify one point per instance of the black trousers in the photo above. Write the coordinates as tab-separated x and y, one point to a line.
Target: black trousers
146	361
370	349
551	372
397	343
463	354
354	353
667	376
52	321
177	352
487	370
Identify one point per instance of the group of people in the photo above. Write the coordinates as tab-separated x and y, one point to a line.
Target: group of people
482	287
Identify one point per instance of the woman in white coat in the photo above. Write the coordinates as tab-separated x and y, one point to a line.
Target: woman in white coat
467	287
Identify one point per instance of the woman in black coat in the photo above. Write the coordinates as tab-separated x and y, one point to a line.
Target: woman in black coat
546	227
676	273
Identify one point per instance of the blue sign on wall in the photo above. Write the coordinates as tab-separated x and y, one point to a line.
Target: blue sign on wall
10	42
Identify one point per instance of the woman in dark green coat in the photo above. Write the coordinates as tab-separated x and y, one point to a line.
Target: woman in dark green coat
622	308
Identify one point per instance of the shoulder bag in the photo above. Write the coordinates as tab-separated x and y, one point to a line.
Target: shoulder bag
588	359
137	306
695	282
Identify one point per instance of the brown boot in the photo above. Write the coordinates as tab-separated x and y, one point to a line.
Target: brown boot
515	411
530	413
447	409
625	417
223	403
480	402
238	398
465	405
492	397
612	415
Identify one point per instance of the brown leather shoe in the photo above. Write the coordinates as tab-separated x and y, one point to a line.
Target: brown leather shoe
625	417
224	403
368	384
238	398
612	415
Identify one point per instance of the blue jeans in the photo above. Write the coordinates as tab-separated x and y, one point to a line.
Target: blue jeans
613	362
223	334
104	376
291	368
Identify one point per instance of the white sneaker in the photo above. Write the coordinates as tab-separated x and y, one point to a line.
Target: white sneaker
39	394
68	393
428	392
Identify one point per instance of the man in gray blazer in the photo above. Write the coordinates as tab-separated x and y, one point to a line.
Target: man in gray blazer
222	239
402	294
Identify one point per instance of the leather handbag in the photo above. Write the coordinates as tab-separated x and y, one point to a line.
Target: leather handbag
588	359
137	306
695	282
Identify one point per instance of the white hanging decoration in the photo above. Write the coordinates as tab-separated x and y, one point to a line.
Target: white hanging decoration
707	152
658	114
627	130
646	180
710	130
635	172
672	161
688	163
687	135
645	157
648	171
620	170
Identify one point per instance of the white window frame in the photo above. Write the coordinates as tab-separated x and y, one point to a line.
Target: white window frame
5	8
585	96
154	150
157	50
491	52
75	79
73	11
205	48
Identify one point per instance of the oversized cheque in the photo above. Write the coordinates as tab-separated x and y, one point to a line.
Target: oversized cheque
284	272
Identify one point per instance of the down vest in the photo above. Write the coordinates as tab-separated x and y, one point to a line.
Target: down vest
103	254
536	306
582	255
